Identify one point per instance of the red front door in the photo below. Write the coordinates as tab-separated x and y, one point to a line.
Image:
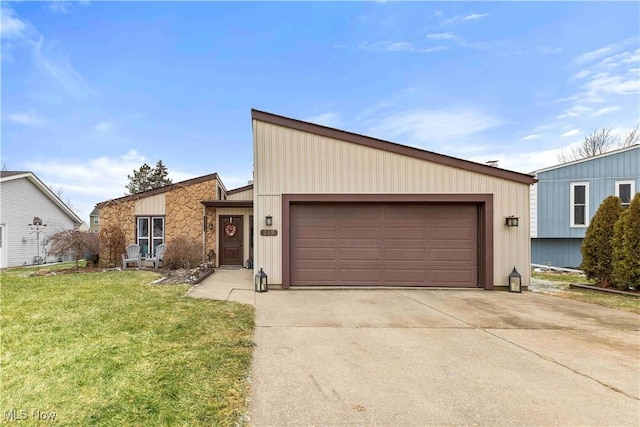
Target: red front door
231	240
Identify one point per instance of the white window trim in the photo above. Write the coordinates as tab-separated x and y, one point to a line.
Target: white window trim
586	204
633	188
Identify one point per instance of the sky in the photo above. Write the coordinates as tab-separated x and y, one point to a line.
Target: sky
92	90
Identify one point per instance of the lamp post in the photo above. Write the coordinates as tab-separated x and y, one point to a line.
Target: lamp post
37	227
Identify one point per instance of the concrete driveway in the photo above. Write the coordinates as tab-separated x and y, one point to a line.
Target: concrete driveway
433	357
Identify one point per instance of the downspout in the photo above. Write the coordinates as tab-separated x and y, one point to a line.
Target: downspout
204	234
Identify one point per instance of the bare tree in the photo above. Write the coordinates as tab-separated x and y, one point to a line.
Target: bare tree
599	142
80	243
630	138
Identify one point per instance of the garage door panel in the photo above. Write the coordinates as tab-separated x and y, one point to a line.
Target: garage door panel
316	232
357	254
377	244
317	254
405	254
317	274
452	233
451	255
406	233
360	232
451	277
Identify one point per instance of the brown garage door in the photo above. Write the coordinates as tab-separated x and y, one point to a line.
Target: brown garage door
384	245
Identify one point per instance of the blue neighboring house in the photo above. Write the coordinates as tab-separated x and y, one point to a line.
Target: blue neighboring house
566	197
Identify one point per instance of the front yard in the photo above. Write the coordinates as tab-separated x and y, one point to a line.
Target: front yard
109	348
560	284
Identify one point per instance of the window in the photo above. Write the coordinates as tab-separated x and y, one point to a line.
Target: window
579	204
95	220
625	190
150	232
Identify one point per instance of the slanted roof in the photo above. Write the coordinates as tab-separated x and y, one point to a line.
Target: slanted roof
160	190
391	147
6	176
589	159
95	212
240	189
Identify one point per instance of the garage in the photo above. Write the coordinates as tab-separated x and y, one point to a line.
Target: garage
384	244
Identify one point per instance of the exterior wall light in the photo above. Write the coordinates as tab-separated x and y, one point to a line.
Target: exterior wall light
261	281
515	281
512	221
268	220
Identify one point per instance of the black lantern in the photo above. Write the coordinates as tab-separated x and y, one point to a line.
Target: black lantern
515	281
268	220
261	281
512	221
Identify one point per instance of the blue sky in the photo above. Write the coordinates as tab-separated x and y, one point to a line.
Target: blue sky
92	90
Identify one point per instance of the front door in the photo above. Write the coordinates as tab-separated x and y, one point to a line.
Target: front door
231	240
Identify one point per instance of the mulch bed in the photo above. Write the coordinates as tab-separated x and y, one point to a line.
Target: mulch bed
170	277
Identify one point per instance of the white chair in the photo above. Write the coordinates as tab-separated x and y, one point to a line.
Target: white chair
160	250
132	255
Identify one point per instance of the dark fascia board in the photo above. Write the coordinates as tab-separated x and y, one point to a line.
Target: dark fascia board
391	147
160	190
240	189
228	203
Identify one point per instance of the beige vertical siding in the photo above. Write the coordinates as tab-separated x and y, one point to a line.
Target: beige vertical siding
153	205
291	161
242	195
246	212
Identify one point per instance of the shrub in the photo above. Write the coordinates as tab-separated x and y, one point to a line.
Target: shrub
597	253
112	244
626	268
183	252
80	243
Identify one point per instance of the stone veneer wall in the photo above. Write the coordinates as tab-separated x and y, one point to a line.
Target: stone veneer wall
183	216
122	214
183	213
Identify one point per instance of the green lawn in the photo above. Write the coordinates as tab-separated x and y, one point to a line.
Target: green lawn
110	349
620	302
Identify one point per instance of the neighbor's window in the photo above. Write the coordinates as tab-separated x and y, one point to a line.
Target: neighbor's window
579	204
95	219
625	190
150	232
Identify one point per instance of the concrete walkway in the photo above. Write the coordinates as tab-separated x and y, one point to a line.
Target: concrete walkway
227	285
439	357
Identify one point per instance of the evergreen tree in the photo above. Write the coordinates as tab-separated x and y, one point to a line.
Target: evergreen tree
620	230
597	254
147	178
631	260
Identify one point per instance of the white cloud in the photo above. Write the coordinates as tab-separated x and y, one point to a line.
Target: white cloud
26	119
103	126
582	74
11	26
326	119
595	54
603	111
60	6
441	36
419	127
530	137
549	49
572	132
575	111
388	46
475	16
62	71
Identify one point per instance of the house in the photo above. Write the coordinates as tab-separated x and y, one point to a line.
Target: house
567	196
94	220
190	208
29	213
334	208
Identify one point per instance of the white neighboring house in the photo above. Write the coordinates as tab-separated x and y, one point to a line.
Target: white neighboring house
24	197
